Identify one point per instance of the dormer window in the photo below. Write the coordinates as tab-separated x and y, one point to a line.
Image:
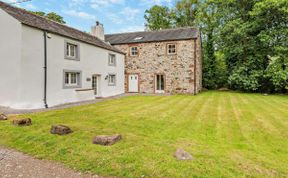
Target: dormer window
134	51
171	48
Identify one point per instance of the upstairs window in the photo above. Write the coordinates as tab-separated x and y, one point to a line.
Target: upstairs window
171	48
112	60
111	79
72	79
71	51
134	51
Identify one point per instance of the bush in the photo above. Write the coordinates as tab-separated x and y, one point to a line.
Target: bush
245	80
277	74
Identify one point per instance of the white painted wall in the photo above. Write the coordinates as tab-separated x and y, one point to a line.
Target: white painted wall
93	60
22	73
10	55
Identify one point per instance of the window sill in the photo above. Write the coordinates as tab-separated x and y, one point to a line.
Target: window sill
87	89
72	58
71	87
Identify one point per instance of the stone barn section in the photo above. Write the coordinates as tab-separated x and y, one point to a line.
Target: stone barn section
166	61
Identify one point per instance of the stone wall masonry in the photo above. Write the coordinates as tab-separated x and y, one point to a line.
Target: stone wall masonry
153	59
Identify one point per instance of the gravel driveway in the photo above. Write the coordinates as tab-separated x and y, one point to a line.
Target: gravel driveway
14	164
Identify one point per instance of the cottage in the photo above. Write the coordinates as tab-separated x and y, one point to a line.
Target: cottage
165	61
44	63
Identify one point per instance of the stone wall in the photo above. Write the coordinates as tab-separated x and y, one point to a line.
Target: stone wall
178	69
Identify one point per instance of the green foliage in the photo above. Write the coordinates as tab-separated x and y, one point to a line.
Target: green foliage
55	17
185	12
51	15
245	80
158	17
251	31
277	73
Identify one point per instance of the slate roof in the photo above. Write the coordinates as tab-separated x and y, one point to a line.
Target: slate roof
42	23
152	36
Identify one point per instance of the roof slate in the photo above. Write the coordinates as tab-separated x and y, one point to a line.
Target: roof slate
42	23
153	36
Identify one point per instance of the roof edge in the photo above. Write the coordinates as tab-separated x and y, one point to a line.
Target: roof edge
163	30
64	25
153	41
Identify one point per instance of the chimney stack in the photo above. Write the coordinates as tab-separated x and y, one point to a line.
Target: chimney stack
98	31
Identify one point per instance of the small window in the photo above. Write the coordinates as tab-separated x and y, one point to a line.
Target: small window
134	51
171	48
111	79
71	51
72	79
112	60
138	38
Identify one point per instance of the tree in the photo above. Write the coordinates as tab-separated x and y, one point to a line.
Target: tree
158	17
185	12
252	31
51	15
55	17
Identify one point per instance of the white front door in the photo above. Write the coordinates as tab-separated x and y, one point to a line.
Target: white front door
159	84
96	85
133	83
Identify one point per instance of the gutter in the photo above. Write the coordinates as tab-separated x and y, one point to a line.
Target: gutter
195	67
45	70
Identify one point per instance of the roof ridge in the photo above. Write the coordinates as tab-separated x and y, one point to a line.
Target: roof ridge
16	11
154	31
64	25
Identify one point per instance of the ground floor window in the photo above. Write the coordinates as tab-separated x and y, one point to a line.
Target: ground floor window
111	79
160	83
72	79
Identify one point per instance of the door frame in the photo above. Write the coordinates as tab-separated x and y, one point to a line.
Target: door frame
155	80
127	76
98	80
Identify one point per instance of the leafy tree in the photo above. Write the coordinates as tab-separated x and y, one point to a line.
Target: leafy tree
55	17
51	15
277	74
158	17
185	12
252	31
213	67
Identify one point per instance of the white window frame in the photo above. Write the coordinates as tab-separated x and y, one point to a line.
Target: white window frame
134	51
112	60
72	50
71	79
112	83
169	50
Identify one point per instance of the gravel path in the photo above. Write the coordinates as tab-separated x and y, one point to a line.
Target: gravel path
14	164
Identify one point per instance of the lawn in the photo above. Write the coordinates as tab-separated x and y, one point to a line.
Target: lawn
229	135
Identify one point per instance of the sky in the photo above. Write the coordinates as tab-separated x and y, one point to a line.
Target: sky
117	16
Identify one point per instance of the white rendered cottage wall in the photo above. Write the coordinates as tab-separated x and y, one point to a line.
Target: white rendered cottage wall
10	52
93	60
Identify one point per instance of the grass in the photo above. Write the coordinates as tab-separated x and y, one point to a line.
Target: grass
229	134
